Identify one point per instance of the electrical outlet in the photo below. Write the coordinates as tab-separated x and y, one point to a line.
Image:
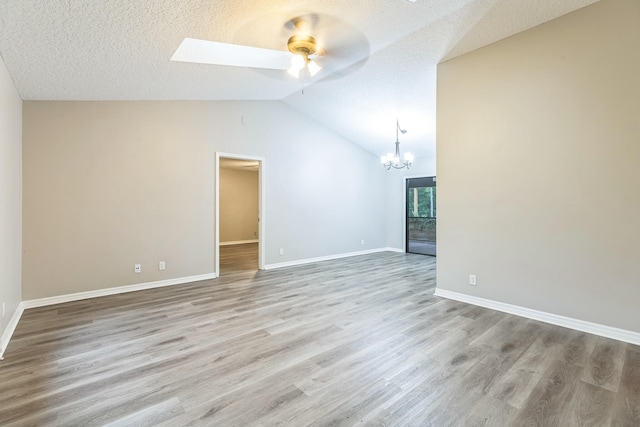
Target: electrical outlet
162	265
472	279
362	242
137	268
281	251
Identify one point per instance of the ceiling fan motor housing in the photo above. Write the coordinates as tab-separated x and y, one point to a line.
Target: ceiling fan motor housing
302	45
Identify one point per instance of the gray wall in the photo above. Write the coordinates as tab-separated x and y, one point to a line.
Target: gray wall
111	184
238	205
538	176
10	198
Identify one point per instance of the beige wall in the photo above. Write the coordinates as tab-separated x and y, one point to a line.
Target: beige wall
538	167
10	199
238	205
111	184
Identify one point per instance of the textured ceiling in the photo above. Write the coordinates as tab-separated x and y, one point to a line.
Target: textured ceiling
379	63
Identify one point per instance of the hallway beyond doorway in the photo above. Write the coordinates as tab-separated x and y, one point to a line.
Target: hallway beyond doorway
238	258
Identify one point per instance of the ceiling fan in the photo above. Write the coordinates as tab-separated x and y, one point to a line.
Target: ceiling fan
303	50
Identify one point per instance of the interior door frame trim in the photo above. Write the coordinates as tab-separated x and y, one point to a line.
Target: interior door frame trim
261	200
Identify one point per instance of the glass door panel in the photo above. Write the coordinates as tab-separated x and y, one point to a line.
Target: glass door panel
421	208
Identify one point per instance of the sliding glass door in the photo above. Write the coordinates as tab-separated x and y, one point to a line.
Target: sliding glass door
421	216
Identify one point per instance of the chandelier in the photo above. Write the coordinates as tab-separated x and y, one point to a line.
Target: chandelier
392	160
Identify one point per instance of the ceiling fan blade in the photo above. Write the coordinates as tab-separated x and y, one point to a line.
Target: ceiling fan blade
210	52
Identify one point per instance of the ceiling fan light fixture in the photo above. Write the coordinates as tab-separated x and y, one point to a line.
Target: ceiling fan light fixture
302	46
313	67
298	62
295	73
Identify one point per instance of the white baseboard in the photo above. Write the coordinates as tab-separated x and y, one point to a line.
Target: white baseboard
395	250
328	258
41	302
10	329
238	242
554	319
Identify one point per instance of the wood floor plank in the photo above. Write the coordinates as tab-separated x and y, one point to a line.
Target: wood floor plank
627	405
411	406
591	406
553	393
512	333
488	411
579	348
150	416
604	368
518	383
354	341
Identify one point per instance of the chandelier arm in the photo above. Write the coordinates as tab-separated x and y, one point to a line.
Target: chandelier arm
390	165
404	165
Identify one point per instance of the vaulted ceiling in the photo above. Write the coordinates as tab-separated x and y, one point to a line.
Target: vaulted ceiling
379	65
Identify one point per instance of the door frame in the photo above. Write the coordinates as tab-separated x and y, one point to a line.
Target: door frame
405	207
261	223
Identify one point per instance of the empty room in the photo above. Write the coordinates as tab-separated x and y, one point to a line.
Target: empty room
392	212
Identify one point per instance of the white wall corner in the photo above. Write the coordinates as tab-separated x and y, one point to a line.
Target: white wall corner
554	319
10	329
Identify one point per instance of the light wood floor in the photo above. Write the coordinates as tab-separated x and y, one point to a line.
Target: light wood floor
357	341
238	258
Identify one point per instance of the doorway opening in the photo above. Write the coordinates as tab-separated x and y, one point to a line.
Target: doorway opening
420	215
239	229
